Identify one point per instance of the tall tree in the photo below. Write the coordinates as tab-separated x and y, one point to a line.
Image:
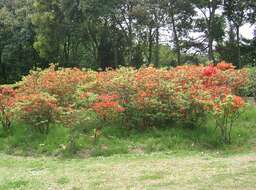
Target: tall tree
180	18
7	29
106	32
238	13
47	19
210	23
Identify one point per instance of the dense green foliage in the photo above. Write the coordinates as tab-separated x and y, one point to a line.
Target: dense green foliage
100	34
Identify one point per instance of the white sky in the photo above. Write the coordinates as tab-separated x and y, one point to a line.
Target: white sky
247	31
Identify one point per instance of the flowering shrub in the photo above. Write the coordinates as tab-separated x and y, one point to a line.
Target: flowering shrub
249	90
223	66
7	98
226	112
148	96
142	98
60	83
252	83
38	110
210	71
107	107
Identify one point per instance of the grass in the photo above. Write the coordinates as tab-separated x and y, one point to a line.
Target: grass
116	140
144	171
167	158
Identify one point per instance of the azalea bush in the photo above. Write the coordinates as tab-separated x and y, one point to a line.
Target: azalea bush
139	98
58	82
38	110
253	83
249	90
107	107
7	99
228	110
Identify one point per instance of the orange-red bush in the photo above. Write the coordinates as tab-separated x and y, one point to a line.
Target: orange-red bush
145	96
39	110
7	100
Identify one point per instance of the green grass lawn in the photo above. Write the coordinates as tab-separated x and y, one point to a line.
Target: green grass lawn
149	171
167	158
116	140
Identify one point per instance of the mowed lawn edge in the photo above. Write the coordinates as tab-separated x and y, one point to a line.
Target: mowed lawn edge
145	171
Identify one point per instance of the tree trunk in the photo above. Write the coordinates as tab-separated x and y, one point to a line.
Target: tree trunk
212	9
130	46
157	48
115	51
3	67
238	47
210	49
130	36
231	33
150	48
176	40
66	52
1	57
95	44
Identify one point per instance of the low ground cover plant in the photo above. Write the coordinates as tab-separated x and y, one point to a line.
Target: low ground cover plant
137	98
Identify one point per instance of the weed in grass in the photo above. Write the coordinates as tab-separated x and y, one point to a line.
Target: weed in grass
63	180
18	184
152	176
76	188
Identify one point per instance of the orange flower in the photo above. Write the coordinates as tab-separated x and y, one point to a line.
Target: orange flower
238	102
225	66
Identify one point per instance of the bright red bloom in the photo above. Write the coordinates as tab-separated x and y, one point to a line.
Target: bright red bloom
210	71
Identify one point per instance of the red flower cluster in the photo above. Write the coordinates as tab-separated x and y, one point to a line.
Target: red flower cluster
107	106
210	71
